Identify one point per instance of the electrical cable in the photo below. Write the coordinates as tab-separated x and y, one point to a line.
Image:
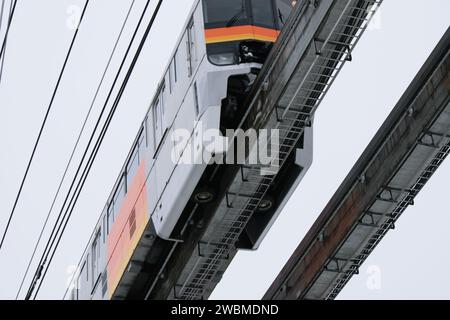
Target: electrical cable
30	161
91	160
5	40
57	224
2	8
119	37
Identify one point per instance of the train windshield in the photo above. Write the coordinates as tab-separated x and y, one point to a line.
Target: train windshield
239	31
220	13
263	13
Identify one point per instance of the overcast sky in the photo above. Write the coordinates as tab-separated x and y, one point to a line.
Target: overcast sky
413	261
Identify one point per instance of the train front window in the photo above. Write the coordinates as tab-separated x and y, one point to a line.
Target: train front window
220	13
239	31
263	13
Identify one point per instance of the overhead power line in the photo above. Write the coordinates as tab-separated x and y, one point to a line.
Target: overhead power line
44	122
2	8
43	269
8	27
80	134
48	256
12	9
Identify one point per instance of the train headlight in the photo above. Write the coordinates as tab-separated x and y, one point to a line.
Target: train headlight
223	58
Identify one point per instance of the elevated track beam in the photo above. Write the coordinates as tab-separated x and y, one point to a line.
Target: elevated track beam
405	153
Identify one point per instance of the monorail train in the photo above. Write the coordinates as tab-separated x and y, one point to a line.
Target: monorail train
216	60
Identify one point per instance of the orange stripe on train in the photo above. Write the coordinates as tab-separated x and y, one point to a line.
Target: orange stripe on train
218	35
125	234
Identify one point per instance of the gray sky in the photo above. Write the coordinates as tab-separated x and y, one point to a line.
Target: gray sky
411	262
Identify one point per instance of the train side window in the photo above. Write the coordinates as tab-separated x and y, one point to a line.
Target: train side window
119	196
104	227
146	131
157	122
141	151
132	167
95	257
158	116
175	67
150	132
87	268
135	159
167	80
191	52
196	104
171	75
81	275
110	219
